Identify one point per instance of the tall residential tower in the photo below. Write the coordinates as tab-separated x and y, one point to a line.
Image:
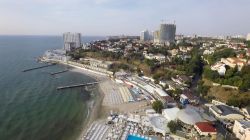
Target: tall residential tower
167	33
71	41
145	36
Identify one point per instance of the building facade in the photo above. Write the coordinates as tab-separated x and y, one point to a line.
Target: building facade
156	35
71	41
145	36
205	128
224	112
167	33
248	37
241	129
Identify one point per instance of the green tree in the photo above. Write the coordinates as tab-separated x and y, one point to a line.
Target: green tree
240	101
203	89
248	44
173	126
177	92
228	52
231	72
211	75
157	106
195	65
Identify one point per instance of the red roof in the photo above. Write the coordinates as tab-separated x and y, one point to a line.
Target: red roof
205	127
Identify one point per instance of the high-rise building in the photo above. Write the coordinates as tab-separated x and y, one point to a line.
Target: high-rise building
145	36
248	37
156	35
167	33
71	41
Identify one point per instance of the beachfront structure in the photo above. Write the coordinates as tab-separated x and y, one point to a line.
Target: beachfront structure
71	41
224	112
205	128
155	91
241	129
145	36
56	55
170	113
91	68
97	63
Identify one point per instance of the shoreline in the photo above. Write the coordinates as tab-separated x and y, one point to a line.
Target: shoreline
94	106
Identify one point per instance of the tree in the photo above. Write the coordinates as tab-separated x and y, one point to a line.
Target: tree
248	44
177	92
157	106
173	126
209	74
231	72
241	100
203	89
228	52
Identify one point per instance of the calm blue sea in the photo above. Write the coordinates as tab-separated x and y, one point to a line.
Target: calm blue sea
30	106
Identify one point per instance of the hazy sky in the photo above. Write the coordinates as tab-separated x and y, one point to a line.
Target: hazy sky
116	17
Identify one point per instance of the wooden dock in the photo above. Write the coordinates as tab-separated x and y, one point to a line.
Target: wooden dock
76	85
30	69
54	73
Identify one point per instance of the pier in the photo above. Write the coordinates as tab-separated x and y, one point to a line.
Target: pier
54	73
30	69
76	85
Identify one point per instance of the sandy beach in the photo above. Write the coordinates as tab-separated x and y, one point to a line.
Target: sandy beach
108	97
95	109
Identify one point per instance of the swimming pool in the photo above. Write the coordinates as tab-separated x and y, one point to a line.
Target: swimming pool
131	137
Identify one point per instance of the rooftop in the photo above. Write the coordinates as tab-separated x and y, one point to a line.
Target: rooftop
170	113
245	124
205	127
225	110
159	123
189	116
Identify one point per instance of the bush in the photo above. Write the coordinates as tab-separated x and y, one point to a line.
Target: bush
157	106
173	126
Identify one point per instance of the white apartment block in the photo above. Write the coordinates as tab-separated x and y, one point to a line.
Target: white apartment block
71	41
241	129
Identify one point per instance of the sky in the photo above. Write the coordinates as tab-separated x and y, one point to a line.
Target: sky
123	17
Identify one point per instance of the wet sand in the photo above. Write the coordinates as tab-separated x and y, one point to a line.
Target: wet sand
96	110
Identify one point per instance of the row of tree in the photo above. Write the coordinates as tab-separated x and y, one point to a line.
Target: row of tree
232	77
224	53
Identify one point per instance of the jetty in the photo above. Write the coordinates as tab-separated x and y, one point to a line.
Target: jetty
30	69
54	73
77	85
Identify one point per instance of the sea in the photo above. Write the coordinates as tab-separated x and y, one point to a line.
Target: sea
31	108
